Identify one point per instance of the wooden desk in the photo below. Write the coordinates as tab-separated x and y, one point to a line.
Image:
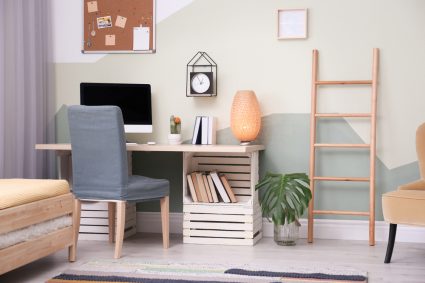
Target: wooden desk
203	223
219	148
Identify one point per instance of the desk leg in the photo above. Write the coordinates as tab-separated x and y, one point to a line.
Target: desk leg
131	212
130	162
65	165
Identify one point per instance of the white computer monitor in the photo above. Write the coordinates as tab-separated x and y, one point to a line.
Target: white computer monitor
133	99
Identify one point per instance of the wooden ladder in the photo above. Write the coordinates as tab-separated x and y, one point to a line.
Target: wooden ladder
371	146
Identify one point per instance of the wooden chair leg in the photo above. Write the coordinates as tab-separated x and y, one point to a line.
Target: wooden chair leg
119	233
111	221
391	240
72	250
165	216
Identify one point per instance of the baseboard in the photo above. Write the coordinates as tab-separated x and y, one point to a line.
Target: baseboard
150	222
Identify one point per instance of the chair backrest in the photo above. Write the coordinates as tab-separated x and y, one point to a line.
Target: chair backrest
420	148
99	156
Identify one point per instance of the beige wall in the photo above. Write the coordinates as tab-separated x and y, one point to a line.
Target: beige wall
240	35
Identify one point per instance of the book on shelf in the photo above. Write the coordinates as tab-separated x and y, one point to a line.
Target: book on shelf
220	188
207	187
212	129
228	188
202	190
212	188
196	186
204	131
191	188
197	132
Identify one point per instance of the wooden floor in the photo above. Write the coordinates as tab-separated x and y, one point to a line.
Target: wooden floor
408	259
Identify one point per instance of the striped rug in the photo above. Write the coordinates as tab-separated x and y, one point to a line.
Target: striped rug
108	271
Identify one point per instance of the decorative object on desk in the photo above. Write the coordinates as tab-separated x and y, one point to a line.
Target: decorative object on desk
204	131
291	23
245	117
175	136
201	76
175	125
284	198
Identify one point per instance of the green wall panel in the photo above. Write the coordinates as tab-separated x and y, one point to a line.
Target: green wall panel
286	138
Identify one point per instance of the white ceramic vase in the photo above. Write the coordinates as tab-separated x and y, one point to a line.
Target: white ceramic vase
174	138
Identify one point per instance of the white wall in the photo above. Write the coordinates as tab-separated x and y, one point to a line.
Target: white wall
240	35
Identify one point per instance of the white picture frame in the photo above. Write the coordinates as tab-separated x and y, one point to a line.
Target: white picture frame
292	23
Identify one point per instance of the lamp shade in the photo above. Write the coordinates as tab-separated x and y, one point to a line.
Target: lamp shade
245	117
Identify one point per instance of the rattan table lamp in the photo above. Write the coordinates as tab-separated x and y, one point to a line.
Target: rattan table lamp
245	117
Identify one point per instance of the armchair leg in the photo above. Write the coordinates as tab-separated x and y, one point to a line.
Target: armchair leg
391	240
119	233
165	213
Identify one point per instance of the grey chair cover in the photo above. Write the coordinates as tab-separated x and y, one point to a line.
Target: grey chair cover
99	158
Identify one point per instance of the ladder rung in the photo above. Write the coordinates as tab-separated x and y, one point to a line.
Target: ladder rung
338	115
341	212
366	82
359	145
350	179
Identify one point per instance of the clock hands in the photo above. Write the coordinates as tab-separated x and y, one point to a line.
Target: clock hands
200	81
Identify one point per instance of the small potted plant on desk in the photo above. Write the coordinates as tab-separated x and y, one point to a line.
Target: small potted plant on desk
284	198
175	137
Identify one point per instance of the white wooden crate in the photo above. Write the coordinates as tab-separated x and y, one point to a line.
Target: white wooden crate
94	221
223	223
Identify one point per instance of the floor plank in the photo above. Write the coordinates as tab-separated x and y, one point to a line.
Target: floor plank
407	263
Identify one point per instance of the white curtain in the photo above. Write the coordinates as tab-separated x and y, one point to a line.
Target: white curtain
24	88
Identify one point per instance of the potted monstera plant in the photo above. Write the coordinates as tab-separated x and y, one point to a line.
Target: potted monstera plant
283	199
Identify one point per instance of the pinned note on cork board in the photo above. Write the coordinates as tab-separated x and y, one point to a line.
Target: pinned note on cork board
123	26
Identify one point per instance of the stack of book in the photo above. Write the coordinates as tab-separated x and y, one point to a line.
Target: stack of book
204	130
210	187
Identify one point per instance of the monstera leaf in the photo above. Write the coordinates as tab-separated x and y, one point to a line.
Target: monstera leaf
284	197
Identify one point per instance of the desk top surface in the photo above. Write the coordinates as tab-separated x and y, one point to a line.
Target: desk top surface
167	147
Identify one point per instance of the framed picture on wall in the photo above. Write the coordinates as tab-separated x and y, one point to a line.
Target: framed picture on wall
291	23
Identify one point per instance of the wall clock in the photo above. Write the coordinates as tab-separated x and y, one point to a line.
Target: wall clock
201	76
201	82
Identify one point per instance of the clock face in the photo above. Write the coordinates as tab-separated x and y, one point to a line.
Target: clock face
201	82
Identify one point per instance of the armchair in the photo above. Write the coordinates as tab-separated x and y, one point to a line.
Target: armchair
407	204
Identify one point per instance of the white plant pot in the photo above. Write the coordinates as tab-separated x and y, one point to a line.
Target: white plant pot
174	138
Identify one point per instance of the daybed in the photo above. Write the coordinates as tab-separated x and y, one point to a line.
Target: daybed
36	219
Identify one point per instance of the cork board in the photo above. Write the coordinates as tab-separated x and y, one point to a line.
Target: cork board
119	26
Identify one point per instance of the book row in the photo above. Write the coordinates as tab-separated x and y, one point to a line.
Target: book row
204	131
210	187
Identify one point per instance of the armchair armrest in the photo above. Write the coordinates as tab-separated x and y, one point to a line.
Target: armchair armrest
416	185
